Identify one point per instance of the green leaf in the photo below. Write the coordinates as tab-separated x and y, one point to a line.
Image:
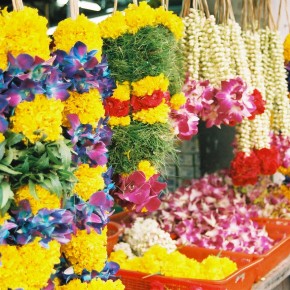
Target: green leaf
46	183
42	163
2	149
50	152
5	194
65	153
56	185
9	155
24	167
8	170
6	207
14	138
39	147
32	190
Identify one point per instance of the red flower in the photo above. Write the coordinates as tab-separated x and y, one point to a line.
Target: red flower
259	103
269	160
117	108
245	169
149	101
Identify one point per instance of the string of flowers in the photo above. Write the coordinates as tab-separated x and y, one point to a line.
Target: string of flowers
216	90
149	79
49	150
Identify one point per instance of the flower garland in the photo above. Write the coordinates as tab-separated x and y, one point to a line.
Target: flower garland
175	264
47	145
20	35
217	89
148	87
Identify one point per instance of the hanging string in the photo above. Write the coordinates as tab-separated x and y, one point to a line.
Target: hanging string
185	8
135	2
205	8
287	14
74	9
115	6
279	14
17	5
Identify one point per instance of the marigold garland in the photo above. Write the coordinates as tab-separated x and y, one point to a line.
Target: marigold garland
88	106
136	17
90	180
2	137
69	31
19	34
87	250
26	260
177	101
92	285
146	167
158	114
287	48
119	121
122	91
149	84
45	199
39	119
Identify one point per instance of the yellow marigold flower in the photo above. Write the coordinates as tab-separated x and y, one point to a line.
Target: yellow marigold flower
90	180
122	92
113	26
45	198
158	114
287	48
148	85
218	268
19	264
69	31
2	137
23	31
119	121
88	106
118	256
87	251
39	119
139	16
147	168
284	171
177	101
92	285
285	190
171	21
4	218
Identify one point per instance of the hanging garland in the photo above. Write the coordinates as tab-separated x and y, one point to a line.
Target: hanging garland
50	150
142	46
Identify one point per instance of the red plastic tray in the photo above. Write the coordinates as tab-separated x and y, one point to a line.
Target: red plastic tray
272	221
279	252
243	278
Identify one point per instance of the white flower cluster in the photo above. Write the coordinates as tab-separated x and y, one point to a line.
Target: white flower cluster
190	43
214	65
281	108
126	248
146	233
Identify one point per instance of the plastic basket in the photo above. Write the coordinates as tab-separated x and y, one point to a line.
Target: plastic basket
279	252
113	233
243	278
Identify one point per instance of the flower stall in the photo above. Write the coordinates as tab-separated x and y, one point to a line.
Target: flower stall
92	114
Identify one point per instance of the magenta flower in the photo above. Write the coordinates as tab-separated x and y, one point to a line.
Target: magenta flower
138	192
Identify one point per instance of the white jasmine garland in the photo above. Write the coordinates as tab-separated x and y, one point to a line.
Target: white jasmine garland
214	66
190	42
126	248
146	233
281	109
